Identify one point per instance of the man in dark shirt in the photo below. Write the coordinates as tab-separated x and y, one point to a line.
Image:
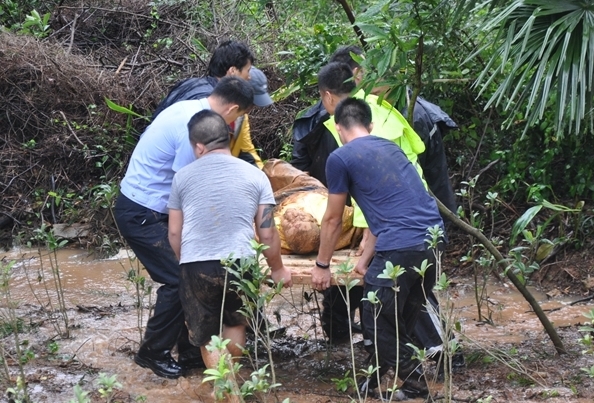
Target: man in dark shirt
399	211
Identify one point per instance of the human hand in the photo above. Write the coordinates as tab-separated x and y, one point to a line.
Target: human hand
364	239
320	278
283	274
360	267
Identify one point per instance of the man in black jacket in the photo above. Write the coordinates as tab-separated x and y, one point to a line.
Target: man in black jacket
229	58
312	142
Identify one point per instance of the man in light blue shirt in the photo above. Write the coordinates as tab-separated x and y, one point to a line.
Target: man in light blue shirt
142	217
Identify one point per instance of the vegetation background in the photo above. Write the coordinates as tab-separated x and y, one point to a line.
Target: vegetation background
80	80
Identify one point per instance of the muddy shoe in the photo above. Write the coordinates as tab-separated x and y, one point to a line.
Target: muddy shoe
414	384
367	388
458	360
161	363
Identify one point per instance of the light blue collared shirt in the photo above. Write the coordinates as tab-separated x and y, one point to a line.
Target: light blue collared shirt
162	150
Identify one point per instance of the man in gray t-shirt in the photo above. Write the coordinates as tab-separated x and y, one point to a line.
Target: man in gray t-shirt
213	204
219	196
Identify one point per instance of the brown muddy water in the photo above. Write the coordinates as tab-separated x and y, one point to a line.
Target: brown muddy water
104	334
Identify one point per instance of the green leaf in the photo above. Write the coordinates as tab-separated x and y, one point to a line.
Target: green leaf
522	222
544	49
121	109
560	207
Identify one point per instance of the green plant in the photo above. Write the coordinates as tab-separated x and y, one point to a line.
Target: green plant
286	153
311	46
223	376
53	348
256	290
80	395
107	386
345	271
46	237
257	383
524	259
588	341
250	282
142	289
30	144
589	371
18	393
543	48
344	383
36	25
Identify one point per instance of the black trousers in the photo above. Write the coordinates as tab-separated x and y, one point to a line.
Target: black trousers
397	313
146	232
335	314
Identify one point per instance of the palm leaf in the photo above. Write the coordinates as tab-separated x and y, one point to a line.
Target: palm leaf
546	53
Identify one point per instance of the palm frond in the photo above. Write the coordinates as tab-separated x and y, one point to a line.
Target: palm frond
545	52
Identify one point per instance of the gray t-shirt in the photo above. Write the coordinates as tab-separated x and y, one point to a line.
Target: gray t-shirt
219	196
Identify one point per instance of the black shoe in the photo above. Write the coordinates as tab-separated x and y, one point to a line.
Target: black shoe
189	360
414	384
161	363
367	389
458	360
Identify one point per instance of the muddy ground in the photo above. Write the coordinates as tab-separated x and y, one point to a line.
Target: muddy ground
508	357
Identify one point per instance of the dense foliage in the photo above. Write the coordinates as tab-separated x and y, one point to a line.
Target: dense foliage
515	75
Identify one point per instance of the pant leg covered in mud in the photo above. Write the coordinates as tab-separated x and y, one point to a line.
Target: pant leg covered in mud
335	315
146	232
390	329
428	331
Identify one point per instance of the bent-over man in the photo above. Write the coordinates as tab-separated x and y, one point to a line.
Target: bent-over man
399	211
141	215
212	208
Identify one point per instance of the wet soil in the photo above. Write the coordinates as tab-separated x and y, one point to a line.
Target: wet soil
508	355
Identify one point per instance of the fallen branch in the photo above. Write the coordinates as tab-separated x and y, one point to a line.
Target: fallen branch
591	297
470	230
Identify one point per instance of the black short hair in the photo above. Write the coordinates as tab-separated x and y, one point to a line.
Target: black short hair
229	54
209	128
337	78
235	90
351	112
343	55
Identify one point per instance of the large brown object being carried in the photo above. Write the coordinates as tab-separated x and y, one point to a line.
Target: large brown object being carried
301	203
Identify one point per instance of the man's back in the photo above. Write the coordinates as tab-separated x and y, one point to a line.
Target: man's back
388	189
431	123
190	88
219	196
162	150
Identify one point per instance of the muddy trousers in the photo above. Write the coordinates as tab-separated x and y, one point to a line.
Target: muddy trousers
146	232
427	332
389	324
335	313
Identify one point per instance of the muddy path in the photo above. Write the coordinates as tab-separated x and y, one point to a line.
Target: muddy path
508	357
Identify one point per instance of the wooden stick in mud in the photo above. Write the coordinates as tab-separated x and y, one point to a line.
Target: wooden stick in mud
470	230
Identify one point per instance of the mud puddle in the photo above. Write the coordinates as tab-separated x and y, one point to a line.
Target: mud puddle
104	328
